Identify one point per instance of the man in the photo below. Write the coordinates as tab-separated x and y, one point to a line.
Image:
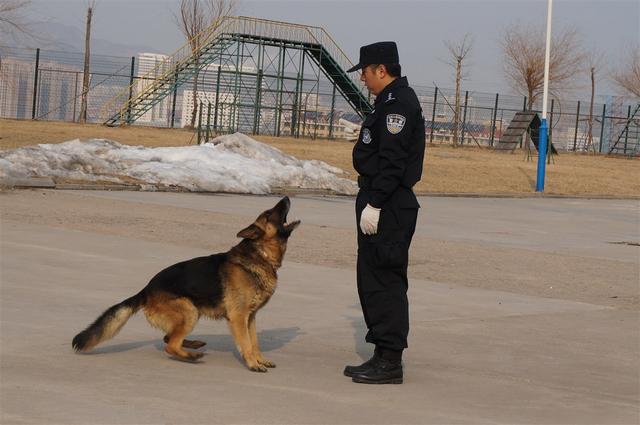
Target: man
388	156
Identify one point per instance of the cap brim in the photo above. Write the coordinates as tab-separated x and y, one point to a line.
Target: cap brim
355	67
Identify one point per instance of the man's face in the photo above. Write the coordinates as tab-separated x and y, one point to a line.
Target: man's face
372	77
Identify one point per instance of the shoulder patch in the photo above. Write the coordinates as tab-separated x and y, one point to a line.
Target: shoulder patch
366	136
395	123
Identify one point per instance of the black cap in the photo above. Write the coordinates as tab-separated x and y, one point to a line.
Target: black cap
381	52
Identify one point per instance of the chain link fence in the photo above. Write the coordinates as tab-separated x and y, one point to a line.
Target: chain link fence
47	85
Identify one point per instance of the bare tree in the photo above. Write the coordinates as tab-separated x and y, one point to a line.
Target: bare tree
11	20
458	53
87	54
194	17
12	23
524	57
628	75
595	63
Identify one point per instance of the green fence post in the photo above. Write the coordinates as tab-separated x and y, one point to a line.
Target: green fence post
173	103
35	84
493	121
604	111
133	66
256	111
464	115
208	121
433	115
333	110
199	121
626	133
294	112
575	136
215	114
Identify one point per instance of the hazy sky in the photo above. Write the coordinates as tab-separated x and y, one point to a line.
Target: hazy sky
419	27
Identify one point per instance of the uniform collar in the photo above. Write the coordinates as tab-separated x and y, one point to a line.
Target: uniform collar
399	82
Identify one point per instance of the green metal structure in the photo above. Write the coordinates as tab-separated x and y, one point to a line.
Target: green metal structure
253	75
628	141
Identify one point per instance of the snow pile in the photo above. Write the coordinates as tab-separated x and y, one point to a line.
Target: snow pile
230	163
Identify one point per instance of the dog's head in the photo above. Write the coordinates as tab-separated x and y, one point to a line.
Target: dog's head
271	224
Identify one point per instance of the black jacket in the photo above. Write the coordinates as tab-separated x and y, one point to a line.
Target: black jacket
390	149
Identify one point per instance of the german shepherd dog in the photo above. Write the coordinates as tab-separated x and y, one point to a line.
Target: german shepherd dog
231	285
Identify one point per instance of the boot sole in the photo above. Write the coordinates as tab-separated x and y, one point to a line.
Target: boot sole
381	381
351	374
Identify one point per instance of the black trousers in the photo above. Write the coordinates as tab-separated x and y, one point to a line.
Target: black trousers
382	264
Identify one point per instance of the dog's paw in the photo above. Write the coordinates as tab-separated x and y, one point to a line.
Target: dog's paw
195	356
191	358
257	368
266	363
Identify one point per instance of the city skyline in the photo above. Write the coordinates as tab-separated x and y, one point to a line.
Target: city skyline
609	27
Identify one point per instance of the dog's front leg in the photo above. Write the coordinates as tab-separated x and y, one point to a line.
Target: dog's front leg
239	326
254	342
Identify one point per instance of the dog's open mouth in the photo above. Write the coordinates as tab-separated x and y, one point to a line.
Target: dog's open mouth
290	225
286	223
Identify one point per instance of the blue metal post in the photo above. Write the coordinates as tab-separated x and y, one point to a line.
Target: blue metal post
542	155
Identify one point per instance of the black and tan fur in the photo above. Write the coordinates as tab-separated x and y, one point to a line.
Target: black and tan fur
233	285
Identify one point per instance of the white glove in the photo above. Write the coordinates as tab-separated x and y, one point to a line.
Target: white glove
369	220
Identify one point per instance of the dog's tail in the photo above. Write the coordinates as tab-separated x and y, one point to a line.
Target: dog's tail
108	324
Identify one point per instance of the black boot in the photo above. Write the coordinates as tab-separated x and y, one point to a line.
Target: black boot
352	370
384	369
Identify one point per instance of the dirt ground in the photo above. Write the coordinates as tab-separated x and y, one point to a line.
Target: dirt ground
447	170
523	271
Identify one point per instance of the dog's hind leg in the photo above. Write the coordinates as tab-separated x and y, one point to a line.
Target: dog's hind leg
188	343
177	318
239	326
254	342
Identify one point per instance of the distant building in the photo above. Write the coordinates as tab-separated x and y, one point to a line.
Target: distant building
225	114
152	66
58	88
16	87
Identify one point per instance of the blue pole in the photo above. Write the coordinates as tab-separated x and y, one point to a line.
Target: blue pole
542	155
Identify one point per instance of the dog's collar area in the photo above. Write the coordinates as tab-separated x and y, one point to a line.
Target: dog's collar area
263	253
268	259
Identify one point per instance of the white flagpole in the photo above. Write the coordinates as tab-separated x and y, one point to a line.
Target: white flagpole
547	54
543	134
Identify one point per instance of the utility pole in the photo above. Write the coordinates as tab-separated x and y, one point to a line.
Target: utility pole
85	78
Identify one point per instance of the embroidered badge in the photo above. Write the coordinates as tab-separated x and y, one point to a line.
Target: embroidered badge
390	98
395	123
366	136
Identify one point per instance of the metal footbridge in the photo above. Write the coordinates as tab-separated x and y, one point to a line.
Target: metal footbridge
265	63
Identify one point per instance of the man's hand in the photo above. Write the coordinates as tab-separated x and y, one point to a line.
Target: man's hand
369	220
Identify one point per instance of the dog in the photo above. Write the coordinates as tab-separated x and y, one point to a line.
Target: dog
233	285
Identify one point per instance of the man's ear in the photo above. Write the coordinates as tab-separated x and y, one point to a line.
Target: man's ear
251	232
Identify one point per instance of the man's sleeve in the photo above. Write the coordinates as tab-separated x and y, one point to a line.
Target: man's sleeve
396	129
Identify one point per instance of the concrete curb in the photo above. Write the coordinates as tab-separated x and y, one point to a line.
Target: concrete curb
29	182
48	183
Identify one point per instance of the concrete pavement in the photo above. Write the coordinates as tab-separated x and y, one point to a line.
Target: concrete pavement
476	356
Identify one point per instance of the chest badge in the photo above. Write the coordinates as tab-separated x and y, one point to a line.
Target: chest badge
366	136
395	123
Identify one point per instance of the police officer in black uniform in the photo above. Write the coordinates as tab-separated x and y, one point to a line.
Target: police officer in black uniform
388	157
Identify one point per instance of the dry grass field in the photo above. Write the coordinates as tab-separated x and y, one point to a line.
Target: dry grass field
468	170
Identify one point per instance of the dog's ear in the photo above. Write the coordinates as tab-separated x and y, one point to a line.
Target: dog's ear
251	232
